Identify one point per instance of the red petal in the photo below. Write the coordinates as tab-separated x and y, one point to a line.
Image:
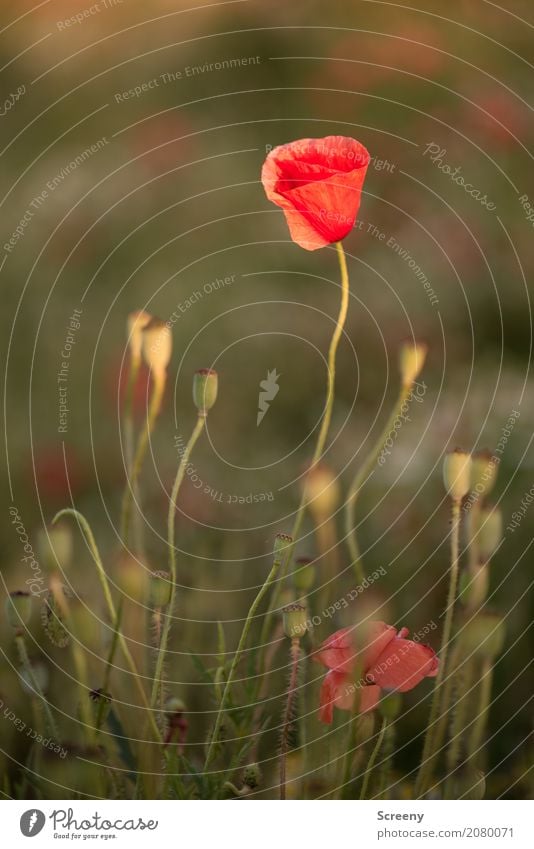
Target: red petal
337	652
402	665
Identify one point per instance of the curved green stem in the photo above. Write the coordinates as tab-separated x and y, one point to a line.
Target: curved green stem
180	474
137	464
359	481
429	747
372	759
278	558
89	537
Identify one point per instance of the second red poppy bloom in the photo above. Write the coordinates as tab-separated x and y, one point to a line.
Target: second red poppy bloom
318	184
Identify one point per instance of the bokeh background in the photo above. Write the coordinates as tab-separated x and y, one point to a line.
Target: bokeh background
167	213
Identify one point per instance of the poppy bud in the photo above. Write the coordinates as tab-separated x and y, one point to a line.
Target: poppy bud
490	533
55	546
412	356
484	635
303	575
295	621
457	474
157	347
474	585
136	322
281	543
252	776
52	618
390	705
205	386
174	705
101	703
322	492
483	473
160	589
18	608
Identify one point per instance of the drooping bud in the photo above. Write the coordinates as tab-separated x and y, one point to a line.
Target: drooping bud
160	589
18	609
321	492
303	575
252	776
483	473
483	635
412	356
205	386
490	532
457	474
390	705
55	546
101	703
52	618
136	323
157	348
295	621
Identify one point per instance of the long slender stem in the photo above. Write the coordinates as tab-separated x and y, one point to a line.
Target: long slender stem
486	680
327	417
34	683
87	532
142	445
278	559
372	759
429	748
171	519
294	655
359	480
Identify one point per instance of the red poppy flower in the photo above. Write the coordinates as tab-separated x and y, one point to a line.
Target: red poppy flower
318	184
389	662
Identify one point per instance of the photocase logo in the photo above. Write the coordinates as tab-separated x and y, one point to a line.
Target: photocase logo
32	822
268	392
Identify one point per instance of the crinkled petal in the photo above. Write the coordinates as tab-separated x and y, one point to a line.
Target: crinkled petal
337	652
402	665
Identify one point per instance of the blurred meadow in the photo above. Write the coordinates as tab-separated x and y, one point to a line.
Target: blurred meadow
131	159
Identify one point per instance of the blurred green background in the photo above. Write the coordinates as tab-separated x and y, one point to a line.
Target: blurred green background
168	214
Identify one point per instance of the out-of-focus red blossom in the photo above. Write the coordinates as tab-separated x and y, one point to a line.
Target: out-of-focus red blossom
117	384
506	117
388	662
156	141
318	184
58	477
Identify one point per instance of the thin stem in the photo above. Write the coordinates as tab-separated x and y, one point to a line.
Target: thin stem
171	519
429	747
278	559
372	759
360	479
88	534
328	408
142	445
484	700
34	683
294	656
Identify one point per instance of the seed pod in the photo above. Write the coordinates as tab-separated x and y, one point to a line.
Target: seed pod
412	356
18	609
457	474
281	543
52	619
252	776
205	388
490	532
483	473
295	621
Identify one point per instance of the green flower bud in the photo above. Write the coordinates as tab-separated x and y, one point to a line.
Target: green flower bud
18	609
390	705
474	584
157	347
303	575
160	589
295	621
457	474
252	776
55	546
490	532
484	635
483	473
52	619
412	356
205	386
